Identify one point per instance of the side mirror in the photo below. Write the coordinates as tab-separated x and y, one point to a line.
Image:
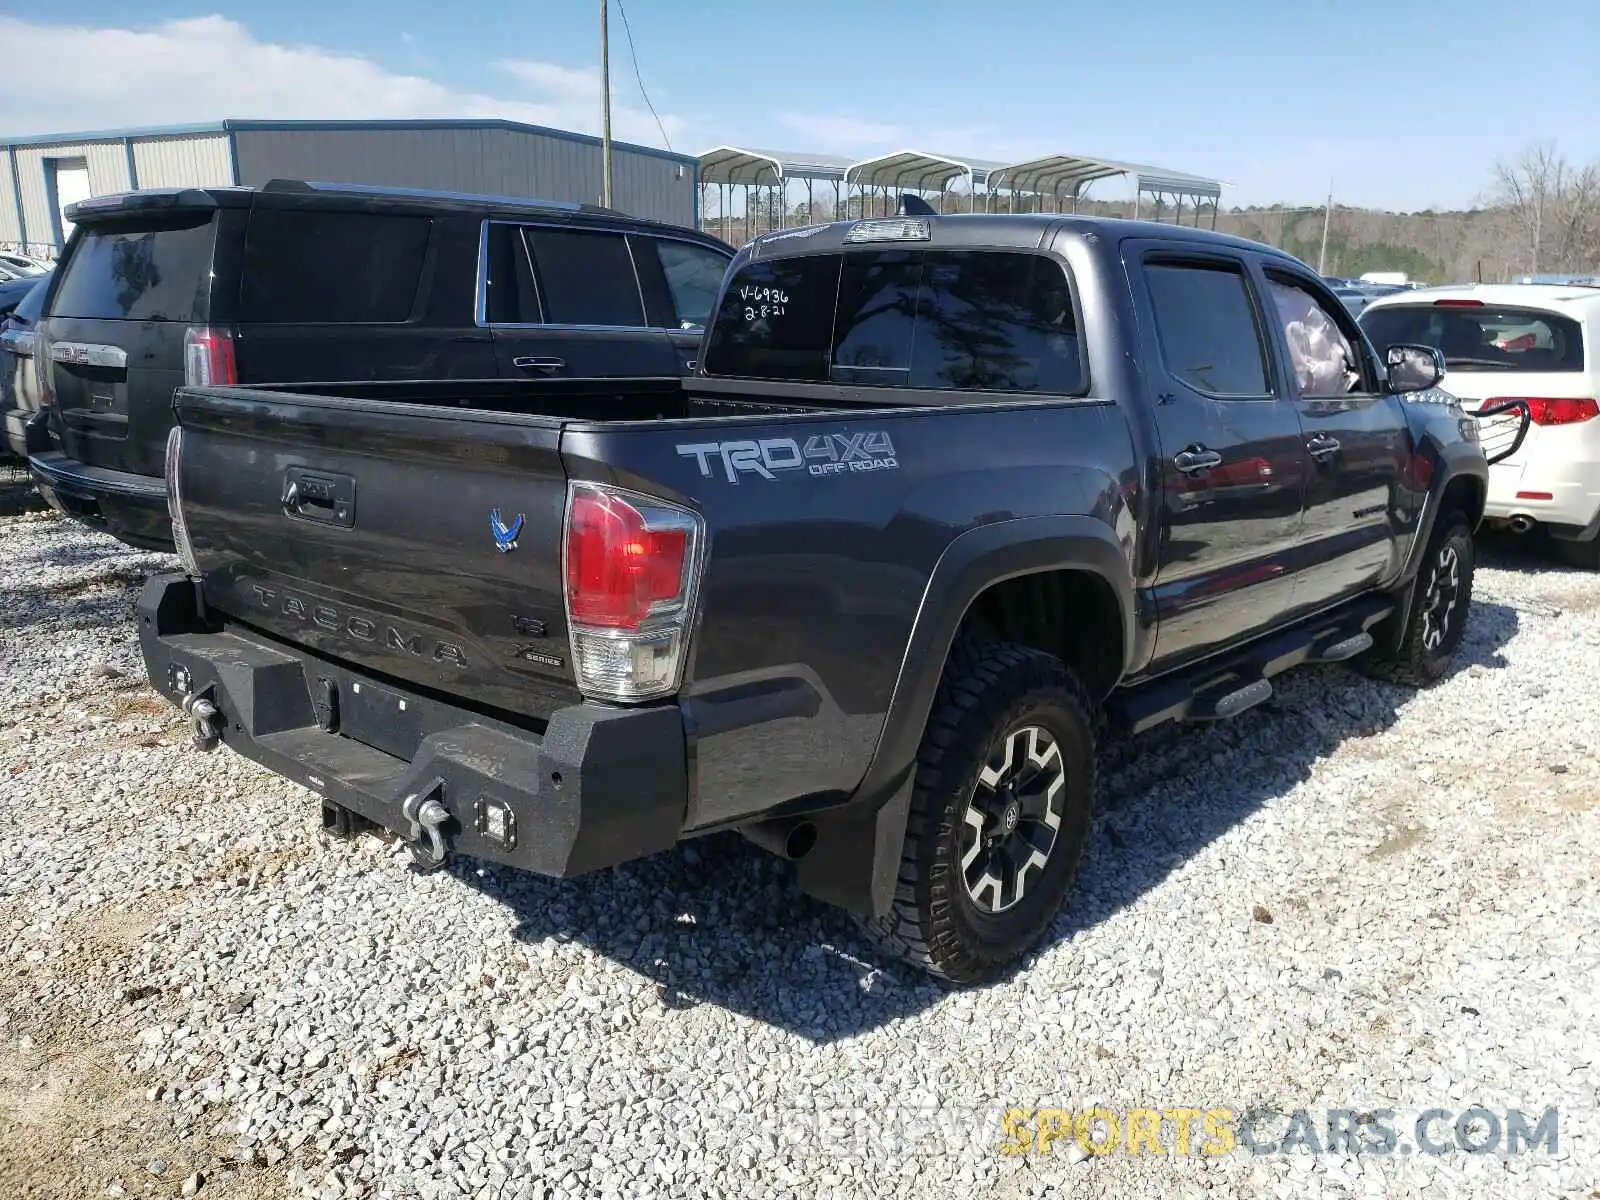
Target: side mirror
1413	368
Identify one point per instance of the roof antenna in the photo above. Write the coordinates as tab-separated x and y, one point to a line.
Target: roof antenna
915	206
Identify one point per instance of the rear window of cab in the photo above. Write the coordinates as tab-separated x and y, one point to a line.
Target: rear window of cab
961	320
1482	337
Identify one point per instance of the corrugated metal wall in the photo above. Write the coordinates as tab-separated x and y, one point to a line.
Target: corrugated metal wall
186	160
10	227
108	172
501	162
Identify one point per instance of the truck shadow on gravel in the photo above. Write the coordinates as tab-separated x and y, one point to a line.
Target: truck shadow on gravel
17	493
719	922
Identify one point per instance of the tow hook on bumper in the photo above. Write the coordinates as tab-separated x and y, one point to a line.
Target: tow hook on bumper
426	817
200	710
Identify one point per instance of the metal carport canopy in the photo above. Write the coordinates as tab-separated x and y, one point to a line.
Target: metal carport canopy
731	164
1065	174
907	168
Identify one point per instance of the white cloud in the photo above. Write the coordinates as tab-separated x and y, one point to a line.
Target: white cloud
60	78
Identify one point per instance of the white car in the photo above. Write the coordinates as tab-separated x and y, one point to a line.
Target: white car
18	265
1530	341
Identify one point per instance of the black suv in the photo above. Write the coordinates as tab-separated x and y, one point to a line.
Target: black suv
298	282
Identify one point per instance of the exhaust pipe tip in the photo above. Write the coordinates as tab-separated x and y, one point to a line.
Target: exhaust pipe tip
1521	524
791	840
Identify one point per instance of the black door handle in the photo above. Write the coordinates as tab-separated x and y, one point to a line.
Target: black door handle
1195	459
539	364
1323	446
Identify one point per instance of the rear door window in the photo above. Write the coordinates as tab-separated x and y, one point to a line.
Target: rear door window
1481	337
952	320
136	272
586	278
309	267
1207	328
694	274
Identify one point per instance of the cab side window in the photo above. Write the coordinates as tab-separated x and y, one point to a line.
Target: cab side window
1323	359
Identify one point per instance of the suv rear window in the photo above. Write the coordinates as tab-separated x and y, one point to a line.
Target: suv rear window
962	320
136	272
1481	337
331	267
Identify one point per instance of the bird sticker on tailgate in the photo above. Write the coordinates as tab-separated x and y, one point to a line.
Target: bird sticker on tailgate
505	536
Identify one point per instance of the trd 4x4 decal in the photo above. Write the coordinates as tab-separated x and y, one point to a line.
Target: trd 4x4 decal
821	455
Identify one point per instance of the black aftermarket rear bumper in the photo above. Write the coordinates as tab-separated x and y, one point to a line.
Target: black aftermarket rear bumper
602	786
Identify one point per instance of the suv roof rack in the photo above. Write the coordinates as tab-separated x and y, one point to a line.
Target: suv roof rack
304	186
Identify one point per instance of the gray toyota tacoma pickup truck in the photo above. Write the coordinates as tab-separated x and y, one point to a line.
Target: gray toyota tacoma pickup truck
943	493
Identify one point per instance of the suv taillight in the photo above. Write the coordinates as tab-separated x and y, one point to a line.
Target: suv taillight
180	532
632	568
208	357
1553	411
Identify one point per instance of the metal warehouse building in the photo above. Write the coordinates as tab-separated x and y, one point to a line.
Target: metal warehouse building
42	175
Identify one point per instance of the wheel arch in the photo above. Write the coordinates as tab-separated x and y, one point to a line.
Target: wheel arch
856	856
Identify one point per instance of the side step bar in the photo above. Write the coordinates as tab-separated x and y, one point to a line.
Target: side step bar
1223	687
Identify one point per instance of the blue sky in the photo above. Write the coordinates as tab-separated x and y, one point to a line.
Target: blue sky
1403	104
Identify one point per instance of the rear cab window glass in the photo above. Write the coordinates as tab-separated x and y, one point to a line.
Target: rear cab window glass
586	278
950	320
331	268
873	323
694	274
1481	337
776	320
1207	328
137	271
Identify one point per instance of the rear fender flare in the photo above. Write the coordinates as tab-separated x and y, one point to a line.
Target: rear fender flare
857	855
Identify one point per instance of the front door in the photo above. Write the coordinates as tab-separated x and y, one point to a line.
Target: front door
566	304
1357	444
1231	454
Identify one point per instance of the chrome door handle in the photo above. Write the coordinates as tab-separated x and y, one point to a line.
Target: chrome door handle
1196	459
539	364
1322	446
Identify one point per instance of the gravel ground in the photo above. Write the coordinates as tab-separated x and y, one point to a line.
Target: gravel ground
1352	898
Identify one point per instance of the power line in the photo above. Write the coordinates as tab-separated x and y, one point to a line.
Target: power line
639	76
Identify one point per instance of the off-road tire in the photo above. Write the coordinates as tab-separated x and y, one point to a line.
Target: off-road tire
1414	663
989	691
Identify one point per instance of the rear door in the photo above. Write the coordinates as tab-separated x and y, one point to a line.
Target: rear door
358	294
1231	451
567	303
126	293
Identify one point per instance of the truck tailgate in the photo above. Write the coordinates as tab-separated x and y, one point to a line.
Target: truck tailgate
416	544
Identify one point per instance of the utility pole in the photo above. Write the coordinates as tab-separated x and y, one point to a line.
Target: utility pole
605	106
1327	217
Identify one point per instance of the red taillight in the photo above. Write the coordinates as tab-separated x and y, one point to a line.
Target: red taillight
617	568
1458	303
1559	410
632	570
208	357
